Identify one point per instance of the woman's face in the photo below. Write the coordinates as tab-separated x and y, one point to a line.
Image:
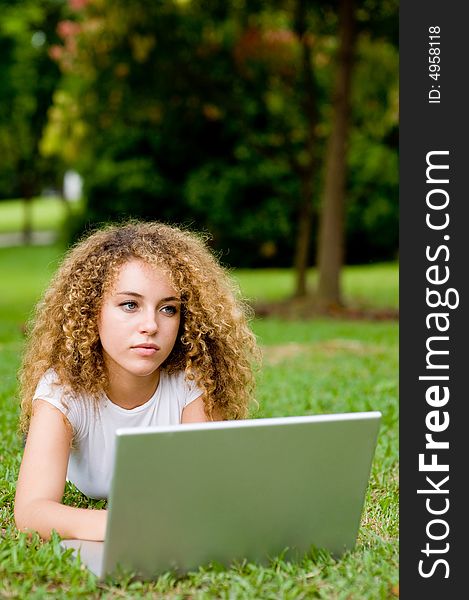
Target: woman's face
139	322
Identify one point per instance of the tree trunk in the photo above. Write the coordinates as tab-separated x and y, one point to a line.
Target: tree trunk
27	221
305	171
331	226
303	239
27	189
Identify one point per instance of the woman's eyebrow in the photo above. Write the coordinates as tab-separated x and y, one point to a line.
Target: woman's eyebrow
137	295
129	294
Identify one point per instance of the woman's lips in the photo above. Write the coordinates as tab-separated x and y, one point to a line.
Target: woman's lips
145	349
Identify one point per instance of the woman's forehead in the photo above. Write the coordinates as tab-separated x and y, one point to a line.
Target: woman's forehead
137	274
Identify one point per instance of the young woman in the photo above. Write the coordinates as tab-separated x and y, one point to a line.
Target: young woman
139	327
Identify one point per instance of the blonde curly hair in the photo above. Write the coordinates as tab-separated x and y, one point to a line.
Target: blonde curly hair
215	346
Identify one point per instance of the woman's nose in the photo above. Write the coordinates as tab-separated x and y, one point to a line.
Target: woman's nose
148	323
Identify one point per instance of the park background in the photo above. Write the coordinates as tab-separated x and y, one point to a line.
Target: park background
272	127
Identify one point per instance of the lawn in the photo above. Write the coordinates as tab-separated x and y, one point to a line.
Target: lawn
47	213
369	286
310	367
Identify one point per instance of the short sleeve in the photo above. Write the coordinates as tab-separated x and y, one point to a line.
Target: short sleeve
50	390
191	391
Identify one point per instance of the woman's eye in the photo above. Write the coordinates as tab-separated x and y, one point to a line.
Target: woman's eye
129	305
169	310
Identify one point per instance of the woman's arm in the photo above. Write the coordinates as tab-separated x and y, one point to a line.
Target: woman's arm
41	481
194	412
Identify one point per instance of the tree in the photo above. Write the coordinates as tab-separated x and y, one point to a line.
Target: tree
28	80
305	170
132	92
209	112
331	228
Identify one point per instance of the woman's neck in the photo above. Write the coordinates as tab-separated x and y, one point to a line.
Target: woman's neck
130	392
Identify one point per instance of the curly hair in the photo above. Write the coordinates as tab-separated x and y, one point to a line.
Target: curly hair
215	346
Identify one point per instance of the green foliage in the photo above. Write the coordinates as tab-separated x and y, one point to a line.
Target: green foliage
28	79
372	202
309	367
247	210
196	112
125	188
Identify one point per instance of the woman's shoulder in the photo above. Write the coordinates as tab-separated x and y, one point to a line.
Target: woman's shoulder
48	382
51	388
57	393
179	384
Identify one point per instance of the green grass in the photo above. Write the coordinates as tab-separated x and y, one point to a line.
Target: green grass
46	214
310	367
374	285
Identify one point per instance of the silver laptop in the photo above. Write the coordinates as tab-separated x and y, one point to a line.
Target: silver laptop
188	495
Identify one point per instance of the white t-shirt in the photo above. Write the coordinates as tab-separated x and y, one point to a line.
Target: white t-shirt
92	455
